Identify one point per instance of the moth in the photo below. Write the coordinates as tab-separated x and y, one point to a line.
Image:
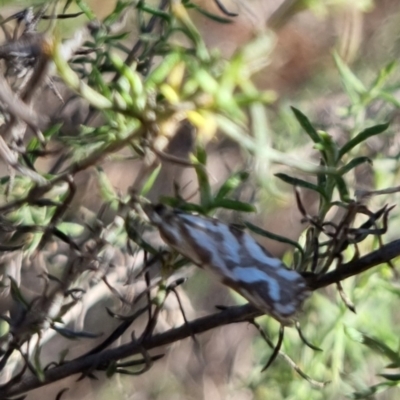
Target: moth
234	258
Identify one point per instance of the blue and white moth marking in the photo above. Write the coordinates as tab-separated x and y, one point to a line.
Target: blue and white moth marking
234	258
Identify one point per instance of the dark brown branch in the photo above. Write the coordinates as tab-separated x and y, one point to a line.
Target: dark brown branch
383	255
228	316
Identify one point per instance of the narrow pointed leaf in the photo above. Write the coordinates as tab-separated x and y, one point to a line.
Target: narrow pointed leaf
342	188
351	82
200	160
232	183
391	377
301	183
306	125
273	236
367	393
381	348
70	334
362	137
233	205
354	163
17	295
383	75
211	16
150	181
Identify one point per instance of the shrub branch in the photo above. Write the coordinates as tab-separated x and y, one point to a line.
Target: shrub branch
230	315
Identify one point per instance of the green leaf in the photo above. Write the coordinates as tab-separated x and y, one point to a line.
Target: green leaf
354	87
134	79
306	125
99	83
342	189
106	189
37	364
353	334
328	148
150	181
353	163
179	203
153	11
367	393
17	295
388	97
362	137
382	348
383	76
232	183
70	228
391	377
86	9
301	183
116	14
200	160
209	15
201	155
206	81
160	73
70	334
274	236
66	5
233	205
34	144
260	126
